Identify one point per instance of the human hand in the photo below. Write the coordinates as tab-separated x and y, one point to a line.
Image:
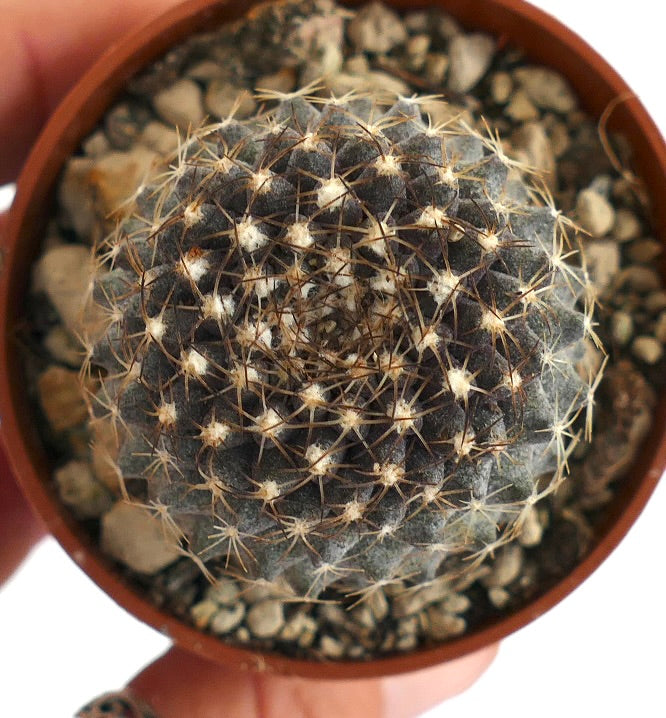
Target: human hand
44	49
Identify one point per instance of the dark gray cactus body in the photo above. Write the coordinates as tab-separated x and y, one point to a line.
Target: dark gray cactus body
342	345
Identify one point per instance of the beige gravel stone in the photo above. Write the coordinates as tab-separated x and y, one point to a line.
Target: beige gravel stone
133	536
79	490
61	397
180	104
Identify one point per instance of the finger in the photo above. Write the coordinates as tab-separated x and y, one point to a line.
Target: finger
19	527
182	684
44	49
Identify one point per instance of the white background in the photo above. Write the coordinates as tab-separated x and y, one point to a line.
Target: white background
62	641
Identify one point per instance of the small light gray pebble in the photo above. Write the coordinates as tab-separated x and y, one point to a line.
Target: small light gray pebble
655	301
501	86
533	140
594	212
647	349
223	98
442	624
206	70
560	140
180	104
531	529
225	591
226	619
376	28
436	65
498	596
622	327
506	566
627	226
266	618
357	65
644	251
417	22
63	347
96	144
378	604
331	647
159	138
521	108
470	57
603	261
417	49
546	88
133	536
79	489
281	81
202	612
447	26
641	279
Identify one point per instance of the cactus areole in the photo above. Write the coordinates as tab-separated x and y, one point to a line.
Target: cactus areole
340	345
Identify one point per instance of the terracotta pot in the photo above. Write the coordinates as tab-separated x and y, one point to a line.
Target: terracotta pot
545	41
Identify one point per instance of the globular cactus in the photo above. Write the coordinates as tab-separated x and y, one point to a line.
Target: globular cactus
341	346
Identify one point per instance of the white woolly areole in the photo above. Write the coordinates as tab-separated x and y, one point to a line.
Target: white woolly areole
193	363
444	286
388	165
259	333
488	242
425	338
331	193
353	511
403	415
318	459
224	164
194	265
432	217
385	280
351	419
269	423
313	396
250	237
192	214
528	295
242	375
463	442
260	181
513	380
299	235
155	327
391	365
459	381
338	266
491	322
268	490
166	414
218	308
389	474
378	234
262	285
215	433
309	142
447	176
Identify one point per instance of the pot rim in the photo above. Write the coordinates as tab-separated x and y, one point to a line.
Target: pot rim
513	21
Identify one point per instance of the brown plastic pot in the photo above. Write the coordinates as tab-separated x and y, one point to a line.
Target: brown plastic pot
545	41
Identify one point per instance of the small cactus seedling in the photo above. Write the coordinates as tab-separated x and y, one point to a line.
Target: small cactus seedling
341	346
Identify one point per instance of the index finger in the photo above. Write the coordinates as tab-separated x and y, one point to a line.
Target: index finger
44	49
